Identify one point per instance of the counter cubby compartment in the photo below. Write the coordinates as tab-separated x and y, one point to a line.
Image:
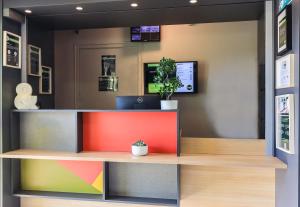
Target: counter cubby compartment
142	183
116	131
58	179
55	130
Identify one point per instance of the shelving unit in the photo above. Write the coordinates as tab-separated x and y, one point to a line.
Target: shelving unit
70	139
53	195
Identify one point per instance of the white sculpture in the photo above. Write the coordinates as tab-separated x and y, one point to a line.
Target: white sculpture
24	98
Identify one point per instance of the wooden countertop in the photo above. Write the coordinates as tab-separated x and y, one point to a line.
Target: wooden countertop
92	156
185	159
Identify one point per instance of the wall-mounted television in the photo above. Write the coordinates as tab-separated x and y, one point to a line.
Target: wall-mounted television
145	34
186	71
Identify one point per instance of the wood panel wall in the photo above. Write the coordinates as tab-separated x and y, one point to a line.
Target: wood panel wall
223	146
227	187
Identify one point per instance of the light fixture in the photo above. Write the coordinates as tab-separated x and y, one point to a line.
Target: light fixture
28	11
79	8
134	5
193	1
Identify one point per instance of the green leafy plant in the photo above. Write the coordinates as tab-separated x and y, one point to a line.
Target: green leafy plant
166	78
139	143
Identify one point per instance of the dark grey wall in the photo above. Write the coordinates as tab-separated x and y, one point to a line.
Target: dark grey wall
10	78
40	36
287	181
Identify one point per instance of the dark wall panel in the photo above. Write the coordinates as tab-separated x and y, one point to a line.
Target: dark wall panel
10	78
43	38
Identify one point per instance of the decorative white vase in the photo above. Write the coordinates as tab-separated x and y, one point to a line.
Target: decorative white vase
139	150
169	104
24	98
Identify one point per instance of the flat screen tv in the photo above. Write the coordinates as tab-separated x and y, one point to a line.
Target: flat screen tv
186	71
145	34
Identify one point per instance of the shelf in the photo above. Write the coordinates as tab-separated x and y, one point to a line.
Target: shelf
92	156
97	198
137	200
57	195
232	161
184	159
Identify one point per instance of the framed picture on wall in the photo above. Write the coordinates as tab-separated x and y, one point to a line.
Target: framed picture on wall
34	60
45	84
285	123
108	65
108	83
284	30
11	50
285	72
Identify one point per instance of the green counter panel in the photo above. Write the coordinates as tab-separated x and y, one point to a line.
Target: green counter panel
62	176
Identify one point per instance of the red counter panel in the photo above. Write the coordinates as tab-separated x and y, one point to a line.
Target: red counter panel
117	131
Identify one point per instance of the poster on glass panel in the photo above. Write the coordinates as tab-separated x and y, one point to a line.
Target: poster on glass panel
108	81
285	123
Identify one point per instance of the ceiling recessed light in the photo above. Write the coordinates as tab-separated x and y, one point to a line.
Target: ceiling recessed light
193	1
134	5
28	11
79	8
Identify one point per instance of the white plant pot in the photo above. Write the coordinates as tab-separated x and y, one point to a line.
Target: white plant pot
139	150
169	104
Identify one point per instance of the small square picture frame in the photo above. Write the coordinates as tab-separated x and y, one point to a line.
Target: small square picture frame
285	125
34	61
45	82
285	67
12	52
284	30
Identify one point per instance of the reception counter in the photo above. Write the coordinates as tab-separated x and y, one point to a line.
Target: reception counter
86	155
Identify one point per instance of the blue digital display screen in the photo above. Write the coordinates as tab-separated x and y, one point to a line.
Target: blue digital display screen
145	34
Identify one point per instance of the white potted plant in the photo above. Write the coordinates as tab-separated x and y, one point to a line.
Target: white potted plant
168	83
139	148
